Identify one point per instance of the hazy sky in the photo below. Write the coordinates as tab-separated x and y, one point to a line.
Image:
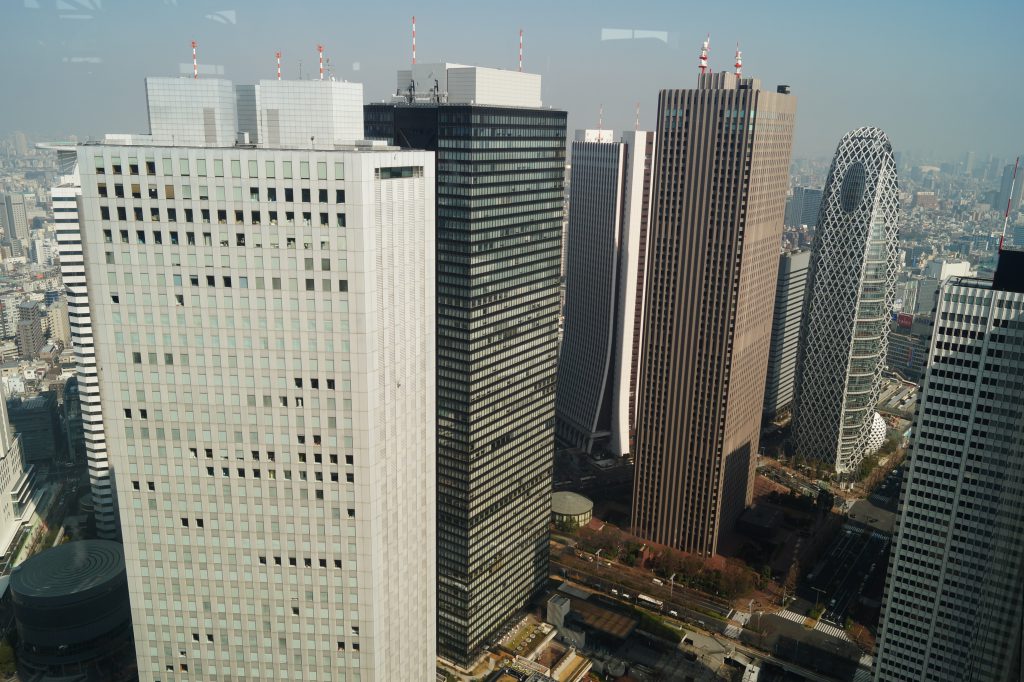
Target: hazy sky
937	76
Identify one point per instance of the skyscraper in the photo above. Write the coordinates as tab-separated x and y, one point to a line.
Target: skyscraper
1010	191
17	494
720	179
263	315
65	197
16	223
790	292
599	357
501	165
803	206
953	606
852	285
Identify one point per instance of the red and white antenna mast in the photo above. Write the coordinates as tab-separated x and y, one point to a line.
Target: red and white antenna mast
739	62
703	64
414	39
600	118
278	55
520	50
195	62
637	126
320	49
1009	200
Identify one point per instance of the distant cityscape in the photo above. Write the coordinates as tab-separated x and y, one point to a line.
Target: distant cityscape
297	386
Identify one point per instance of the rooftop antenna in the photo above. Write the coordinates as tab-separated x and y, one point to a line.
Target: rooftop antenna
739	61
278	55
520	50
703	64
414	39
320	49
1009	200
195	62
637	126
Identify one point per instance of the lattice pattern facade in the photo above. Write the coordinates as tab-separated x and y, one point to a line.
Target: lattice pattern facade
852	284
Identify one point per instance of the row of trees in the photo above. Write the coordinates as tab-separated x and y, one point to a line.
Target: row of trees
728	582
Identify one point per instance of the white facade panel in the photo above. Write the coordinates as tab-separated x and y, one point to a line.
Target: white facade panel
264	337
309	114
478	85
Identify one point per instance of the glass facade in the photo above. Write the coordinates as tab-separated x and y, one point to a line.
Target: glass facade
500	181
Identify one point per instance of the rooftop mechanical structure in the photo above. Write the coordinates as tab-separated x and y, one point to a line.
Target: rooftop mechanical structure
850	296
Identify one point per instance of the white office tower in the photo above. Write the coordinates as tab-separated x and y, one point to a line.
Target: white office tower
790	292
854	261
953	606
606	249
17	494
264	332
65	197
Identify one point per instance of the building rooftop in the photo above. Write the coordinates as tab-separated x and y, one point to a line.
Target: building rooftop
570	504
70	571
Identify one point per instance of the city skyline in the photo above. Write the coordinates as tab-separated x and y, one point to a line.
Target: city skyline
905	60
371	377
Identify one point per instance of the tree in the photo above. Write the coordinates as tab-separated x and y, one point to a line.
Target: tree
7	665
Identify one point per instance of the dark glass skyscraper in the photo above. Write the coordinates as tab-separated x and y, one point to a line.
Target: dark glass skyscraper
499	228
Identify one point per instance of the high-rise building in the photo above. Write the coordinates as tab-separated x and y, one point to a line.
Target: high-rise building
720	178
501	166
65	197
16	223
17	500
790	291
803	206
263	316
851	289
599	357
953	607
909	336
1009	191
29	335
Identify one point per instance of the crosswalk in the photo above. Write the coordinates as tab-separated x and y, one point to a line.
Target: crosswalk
863	675
789	615
838	633
741	617
732	631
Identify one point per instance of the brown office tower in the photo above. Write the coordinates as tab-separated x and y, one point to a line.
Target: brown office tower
720	181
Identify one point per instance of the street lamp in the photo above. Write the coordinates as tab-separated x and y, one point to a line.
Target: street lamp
672	583
819	591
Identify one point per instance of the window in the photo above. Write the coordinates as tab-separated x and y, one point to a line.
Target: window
183	166
321	170
322	196
254	169
271	192
305	195
339	196
236	168
343	285
339	170
303	170
218	168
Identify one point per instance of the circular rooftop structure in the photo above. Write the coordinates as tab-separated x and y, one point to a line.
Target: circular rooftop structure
72	611
69	573
569	507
